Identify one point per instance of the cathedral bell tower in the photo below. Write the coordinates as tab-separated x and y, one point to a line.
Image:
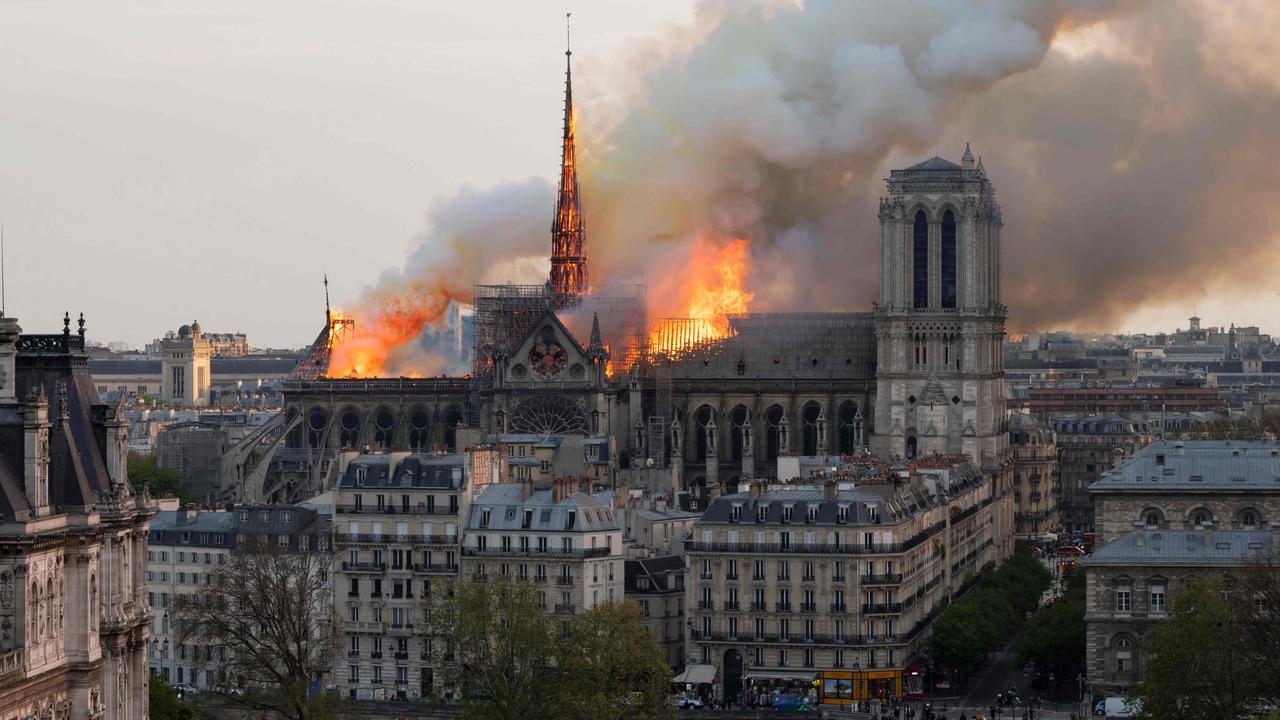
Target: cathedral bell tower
939	321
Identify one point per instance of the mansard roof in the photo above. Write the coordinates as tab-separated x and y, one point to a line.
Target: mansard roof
1198	465
935	163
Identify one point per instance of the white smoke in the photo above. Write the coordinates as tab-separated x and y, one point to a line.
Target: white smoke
775	123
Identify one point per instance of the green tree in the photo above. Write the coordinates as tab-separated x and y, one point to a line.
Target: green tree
143	470
162	699
1055	637
613	666
1197	665
498	645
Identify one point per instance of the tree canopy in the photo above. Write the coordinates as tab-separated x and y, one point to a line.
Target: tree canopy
163	703
270	617
1055	638
1198	664
975	625
502	647
143	470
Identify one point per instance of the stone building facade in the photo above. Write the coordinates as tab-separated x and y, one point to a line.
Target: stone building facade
656	584
185	374
1088	447
1035	476
397	532
73	538
1174	511
565	541
830	582
187	548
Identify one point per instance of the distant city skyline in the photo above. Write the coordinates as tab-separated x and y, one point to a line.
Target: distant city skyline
214	163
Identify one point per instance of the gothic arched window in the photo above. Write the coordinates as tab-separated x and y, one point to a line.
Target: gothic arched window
948	259
773	433
703	419
848	434
920	261
419	431
740	418
809	416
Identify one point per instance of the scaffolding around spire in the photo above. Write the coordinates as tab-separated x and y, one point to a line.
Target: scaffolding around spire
568	231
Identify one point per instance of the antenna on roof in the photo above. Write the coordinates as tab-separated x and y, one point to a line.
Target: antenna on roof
328	315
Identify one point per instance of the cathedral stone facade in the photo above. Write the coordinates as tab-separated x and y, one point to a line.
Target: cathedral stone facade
920	374
73	611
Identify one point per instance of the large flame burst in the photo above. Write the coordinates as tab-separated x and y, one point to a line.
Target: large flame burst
388	322
707	293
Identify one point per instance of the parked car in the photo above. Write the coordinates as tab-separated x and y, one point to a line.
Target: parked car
185	689
688	702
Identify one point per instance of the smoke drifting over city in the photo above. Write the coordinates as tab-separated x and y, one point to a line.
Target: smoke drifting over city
1133	160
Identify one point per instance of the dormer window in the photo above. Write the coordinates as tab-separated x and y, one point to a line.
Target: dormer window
761	512
735	513
484	518
811	514
360	475
527	522
786	513
842	514
571	521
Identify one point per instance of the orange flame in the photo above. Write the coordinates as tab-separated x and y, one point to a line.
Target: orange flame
387	323
712	291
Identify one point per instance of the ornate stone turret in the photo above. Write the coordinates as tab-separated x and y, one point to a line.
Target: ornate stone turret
9	332
35	476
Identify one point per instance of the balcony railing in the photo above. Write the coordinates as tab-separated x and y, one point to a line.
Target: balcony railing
782	607
790	549
563	580
362	509
730	605
564	609
364	566
388	538
706	605
808	607
881	608
839	607
362	626
435	568
759	606
550	553
889	579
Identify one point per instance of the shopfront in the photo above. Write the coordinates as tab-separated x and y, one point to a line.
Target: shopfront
844	687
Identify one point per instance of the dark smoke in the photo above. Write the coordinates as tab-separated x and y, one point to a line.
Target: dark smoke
1132	176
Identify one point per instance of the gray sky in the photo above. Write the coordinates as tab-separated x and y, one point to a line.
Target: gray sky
169	160
163	161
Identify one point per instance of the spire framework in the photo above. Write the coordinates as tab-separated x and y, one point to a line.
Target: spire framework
568	231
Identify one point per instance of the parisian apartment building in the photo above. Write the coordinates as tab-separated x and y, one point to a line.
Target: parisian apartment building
557	535
185	549
835	580
1174	511
397	521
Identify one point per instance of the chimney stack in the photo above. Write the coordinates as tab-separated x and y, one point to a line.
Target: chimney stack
829	490
561	488
1140	533
754	488
526	488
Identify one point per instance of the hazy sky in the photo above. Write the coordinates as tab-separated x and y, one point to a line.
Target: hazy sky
163	161
170	160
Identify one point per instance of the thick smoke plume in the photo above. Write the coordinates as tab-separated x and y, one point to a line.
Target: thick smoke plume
1134	157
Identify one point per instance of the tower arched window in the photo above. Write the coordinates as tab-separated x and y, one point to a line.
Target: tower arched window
848	437
948	259
920	261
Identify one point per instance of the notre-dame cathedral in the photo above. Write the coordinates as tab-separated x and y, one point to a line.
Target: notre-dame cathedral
920	373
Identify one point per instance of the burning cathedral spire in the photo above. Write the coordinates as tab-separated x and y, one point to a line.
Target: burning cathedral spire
568	232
